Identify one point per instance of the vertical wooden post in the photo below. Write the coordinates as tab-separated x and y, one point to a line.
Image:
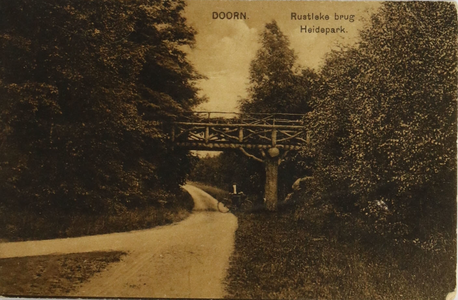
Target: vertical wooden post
241	134
271	187
274	137
271	162
207	134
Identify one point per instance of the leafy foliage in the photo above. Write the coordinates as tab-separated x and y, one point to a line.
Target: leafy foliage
385	129
276	82
83	85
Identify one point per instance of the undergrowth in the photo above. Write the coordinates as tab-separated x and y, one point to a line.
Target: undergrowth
278	257
19	225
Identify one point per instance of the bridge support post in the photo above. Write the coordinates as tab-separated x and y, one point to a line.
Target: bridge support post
271	162
271	187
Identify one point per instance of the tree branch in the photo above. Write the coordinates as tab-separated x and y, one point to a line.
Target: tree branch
250	155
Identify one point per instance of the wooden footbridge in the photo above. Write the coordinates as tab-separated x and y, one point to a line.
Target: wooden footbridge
271	135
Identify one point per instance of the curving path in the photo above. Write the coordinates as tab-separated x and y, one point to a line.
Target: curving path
183	260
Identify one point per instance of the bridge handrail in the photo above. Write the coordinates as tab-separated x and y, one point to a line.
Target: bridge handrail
203	117
247	114
278	126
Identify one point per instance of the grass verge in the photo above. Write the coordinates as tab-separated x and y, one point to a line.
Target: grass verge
51	275
278	258
21	225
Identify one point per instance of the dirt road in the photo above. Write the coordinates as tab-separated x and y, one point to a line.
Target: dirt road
183	260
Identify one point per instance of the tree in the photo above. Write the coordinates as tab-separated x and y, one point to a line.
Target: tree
276	83
385	130
83	84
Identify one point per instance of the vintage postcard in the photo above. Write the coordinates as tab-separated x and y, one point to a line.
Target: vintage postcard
228	149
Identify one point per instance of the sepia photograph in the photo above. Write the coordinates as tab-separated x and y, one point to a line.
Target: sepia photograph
228	149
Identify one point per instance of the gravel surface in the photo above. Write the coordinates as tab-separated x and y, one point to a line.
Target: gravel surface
188	259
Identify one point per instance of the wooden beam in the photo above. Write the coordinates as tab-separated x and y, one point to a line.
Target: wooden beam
240	125
250	155
271	185
289	137
225	134
274	137
207	131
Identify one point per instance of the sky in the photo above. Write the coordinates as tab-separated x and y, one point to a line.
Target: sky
225	47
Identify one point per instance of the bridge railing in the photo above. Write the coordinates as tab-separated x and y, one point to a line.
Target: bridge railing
218	130
203	117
